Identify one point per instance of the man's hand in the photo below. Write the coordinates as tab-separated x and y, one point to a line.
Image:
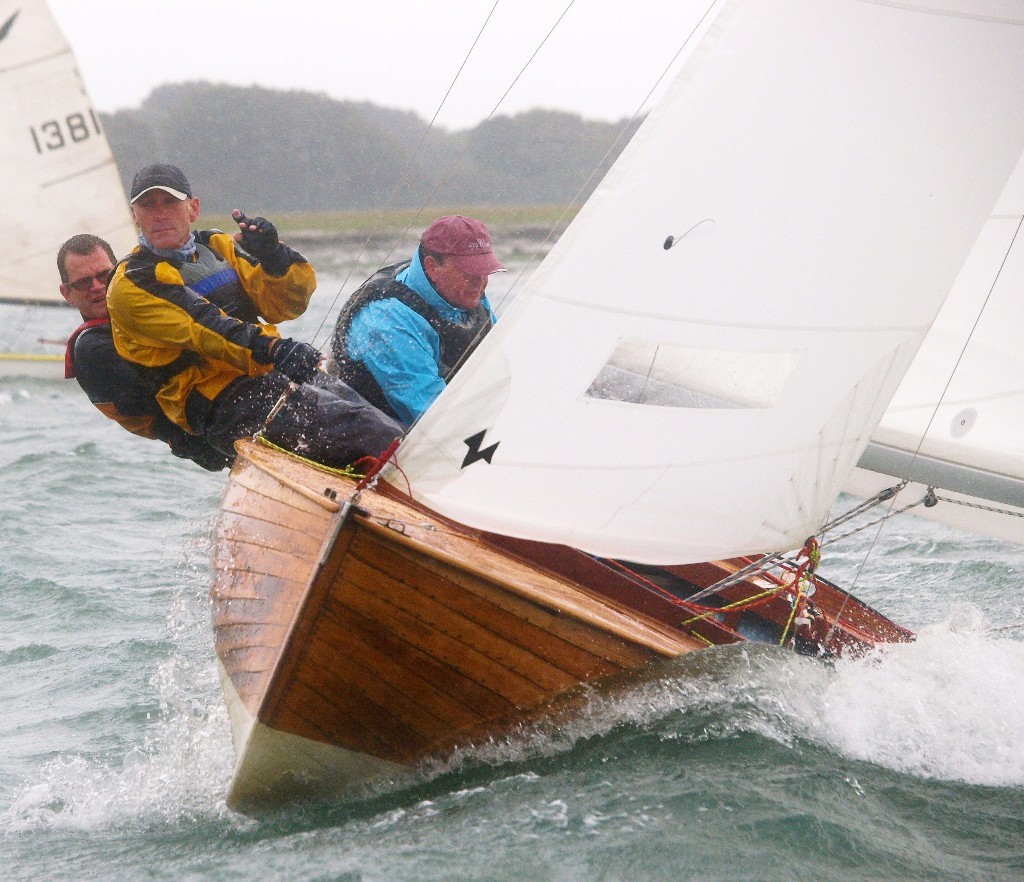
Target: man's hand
299	362
256	235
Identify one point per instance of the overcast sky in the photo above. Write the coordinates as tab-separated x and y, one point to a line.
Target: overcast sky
601	60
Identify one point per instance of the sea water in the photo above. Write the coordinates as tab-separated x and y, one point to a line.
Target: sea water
734	763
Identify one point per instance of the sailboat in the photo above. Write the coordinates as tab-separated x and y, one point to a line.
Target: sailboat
675	399
59	179
953	430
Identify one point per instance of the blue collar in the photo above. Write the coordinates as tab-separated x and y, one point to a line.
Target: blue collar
183	254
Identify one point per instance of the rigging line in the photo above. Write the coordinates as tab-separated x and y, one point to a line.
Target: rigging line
976	505
764	565
880	497
891	513
963	349
647	378
604	159
931	420
403	177
471	140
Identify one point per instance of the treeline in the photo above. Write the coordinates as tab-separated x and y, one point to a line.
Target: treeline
300	151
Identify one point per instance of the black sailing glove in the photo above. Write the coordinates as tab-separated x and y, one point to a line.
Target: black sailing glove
193	447
259	236
299	362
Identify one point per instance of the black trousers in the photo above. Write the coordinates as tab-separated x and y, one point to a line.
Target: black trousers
323	420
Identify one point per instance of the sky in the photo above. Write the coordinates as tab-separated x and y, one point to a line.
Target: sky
600	61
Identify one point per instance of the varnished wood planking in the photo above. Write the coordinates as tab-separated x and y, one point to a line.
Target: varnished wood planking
259	559
609	647
248	659
493	636
465	598
242	611
345	718
361	646
273	492
231	635
244	584
239	528
319	583
439	644
338	676
259	516
398	641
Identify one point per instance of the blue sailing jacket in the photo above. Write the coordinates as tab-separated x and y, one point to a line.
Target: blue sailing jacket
399	347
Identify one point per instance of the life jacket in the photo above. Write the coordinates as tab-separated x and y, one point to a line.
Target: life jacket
457	340
217	280
69	352
214	278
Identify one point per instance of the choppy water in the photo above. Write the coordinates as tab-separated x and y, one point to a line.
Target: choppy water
731	764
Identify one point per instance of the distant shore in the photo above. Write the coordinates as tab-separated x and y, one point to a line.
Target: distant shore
518	225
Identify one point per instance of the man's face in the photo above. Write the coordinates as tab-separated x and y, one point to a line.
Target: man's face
460	289
86	288
165	221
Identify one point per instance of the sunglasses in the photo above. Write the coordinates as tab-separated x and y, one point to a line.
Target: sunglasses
85	284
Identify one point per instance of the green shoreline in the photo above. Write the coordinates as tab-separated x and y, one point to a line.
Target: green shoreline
531	221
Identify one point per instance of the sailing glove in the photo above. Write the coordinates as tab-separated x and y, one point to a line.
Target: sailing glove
261	242
299	362
193	447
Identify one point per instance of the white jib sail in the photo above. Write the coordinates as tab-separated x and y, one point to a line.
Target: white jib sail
957	420
835	163
58	176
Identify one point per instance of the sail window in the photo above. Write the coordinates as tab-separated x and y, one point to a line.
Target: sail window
668	375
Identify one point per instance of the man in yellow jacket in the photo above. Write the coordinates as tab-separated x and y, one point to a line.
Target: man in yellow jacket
197	312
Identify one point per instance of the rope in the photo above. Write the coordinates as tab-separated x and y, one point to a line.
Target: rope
403	177
702	612
812	551
978	505
347	472
375	464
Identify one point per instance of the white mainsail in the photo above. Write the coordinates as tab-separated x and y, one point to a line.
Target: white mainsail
58	174
834	164
956	422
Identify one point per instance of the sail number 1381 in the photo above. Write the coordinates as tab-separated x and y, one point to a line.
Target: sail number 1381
55	134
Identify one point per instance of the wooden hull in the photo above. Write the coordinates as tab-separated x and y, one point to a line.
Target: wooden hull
354	643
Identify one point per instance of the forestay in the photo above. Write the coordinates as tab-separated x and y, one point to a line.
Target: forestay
833	164
957	420
58	175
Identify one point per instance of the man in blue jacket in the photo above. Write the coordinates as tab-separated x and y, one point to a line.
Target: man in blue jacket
408	328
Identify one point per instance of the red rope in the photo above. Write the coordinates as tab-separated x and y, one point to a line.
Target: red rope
375	464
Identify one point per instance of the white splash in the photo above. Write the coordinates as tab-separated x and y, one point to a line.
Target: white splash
950	705
180	770
180	766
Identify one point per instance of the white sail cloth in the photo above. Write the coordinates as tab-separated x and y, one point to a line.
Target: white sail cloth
58	175
835	163
957	420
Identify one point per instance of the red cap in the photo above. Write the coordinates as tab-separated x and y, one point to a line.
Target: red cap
465	241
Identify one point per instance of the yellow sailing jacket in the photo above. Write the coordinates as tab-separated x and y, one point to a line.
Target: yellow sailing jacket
195	326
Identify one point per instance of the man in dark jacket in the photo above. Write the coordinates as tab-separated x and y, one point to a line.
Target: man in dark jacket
407	329
118	390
